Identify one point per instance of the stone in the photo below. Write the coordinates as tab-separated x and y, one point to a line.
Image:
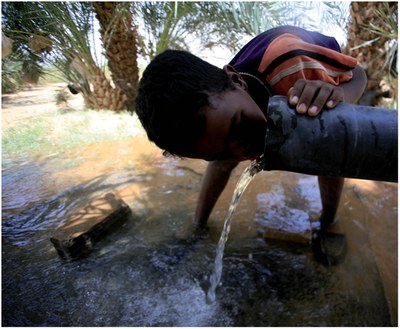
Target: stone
280	234
76	236
287	224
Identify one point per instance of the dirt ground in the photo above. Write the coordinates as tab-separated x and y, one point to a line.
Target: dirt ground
34	100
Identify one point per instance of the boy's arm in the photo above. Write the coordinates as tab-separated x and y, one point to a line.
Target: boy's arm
214	182
310	96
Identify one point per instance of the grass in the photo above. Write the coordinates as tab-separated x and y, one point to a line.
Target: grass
24	137
55	132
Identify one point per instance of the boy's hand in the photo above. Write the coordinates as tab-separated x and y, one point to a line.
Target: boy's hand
310	96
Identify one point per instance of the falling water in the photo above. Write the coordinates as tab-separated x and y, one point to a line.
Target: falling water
247	176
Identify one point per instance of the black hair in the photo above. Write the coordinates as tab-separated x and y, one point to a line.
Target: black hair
173	89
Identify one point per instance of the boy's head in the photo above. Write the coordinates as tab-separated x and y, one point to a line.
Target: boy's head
173	91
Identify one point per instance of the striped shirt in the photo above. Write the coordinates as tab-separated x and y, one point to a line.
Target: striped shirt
281	56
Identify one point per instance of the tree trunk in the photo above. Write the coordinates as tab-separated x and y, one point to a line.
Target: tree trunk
119	40
103	95
371	56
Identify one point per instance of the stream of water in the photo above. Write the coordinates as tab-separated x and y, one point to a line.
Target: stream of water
247	176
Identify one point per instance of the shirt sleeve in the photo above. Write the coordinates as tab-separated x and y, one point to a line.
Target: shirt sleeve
288	59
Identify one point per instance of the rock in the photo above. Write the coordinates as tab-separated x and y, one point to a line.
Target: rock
288	225
76	236
279	234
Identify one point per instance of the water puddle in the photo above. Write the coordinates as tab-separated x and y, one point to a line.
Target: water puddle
153	272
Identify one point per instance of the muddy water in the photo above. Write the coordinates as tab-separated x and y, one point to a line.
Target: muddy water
153	272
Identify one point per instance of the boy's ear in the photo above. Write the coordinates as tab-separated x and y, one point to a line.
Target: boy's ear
234	75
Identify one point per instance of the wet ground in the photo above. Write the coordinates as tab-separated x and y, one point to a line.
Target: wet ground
153	272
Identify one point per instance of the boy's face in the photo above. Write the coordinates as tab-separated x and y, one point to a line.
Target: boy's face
235	128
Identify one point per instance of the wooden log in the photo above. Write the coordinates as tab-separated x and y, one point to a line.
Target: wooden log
76	236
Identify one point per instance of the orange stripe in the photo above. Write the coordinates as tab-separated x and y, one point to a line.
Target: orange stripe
287	42
283	86
323	75
295	60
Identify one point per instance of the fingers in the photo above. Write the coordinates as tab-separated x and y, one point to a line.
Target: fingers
310	96
336	97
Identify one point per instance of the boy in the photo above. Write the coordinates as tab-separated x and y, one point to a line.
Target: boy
193	109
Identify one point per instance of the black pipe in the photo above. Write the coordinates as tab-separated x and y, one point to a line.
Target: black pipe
347	141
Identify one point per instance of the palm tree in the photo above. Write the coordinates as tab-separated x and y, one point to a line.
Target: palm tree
177	24
372	39
171	25
60	33
119	41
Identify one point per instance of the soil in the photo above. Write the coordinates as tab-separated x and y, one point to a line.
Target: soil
32	101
